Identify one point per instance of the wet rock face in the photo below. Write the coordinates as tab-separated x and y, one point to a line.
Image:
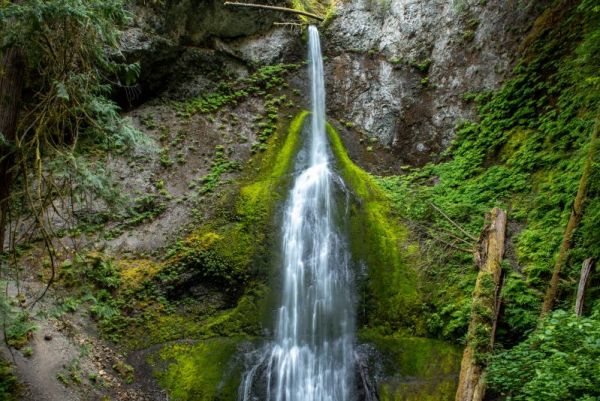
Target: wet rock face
399	69
186	46
196	22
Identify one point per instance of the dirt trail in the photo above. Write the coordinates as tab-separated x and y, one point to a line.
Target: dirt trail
68	362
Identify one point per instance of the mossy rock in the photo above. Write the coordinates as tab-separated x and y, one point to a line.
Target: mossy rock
204	371
232	249
413	368
390	292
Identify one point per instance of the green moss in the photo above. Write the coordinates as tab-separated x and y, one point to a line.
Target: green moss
161	325
9	385
381	241
258	197
200	372
415	369
224	251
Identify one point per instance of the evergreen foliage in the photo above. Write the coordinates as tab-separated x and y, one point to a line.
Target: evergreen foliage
70	52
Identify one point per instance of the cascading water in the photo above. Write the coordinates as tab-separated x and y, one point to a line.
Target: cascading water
312	356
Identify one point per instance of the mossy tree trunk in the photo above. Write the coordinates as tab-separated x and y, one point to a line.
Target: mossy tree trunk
574	219
484	312
11	87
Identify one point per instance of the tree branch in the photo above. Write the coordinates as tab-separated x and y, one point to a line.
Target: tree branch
274	8
453	222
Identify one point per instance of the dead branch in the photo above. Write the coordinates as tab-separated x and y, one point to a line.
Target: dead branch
274	8
465	232
577	210
292	24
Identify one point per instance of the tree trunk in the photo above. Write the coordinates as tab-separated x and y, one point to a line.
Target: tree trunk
11	87
484	312
586	268
574	218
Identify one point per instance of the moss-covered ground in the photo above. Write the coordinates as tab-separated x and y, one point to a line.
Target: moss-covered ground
204	371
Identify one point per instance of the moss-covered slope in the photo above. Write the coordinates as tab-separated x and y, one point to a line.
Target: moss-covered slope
390	297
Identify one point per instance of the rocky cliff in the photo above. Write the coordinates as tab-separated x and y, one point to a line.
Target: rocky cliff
400	71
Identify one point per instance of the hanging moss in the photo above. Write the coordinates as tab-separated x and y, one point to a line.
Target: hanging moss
390	295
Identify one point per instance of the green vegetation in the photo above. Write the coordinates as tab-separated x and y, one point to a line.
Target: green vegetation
209	291
124	370
220	166
61	62
200	372
557	362
9	385
422	66
390	295
17	327
525	155
433	362
268	122
225	253
232	92
228	252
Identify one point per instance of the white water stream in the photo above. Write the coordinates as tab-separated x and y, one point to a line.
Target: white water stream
311	357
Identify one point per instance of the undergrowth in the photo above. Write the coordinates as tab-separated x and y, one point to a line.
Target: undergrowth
525	154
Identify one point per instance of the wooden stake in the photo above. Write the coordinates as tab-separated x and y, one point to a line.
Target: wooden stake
274	8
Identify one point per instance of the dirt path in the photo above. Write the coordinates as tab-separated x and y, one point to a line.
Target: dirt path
65	361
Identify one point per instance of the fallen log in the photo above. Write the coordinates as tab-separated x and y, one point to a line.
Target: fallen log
274	8
484	312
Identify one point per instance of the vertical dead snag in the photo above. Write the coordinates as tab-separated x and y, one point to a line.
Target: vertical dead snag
484	312
574	219
586	269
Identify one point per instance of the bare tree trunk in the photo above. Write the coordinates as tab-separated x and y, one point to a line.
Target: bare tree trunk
586	269
11	87
484	312
574	218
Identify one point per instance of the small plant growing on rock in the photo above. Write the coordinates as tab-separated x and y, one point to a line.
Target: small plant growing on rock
124	371
165	159
27	352
422	66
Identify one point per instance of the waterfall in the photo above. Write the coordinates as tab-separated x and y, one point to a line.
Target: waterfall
312	355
